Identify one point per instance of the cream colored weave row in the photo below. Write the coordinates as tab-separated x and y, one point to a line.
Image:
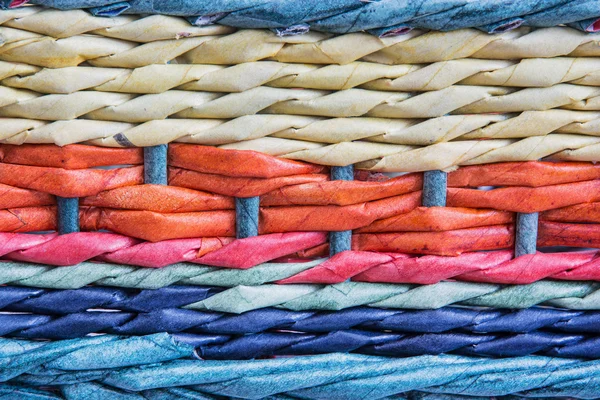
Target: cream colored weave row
64	24
458	99
115	43
318	130
537	72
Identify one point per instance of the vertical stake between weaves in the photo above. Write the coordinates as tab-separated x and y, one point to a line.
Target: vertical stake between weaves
435	184
155	164
434	195
526	234
341	240
246	216
68	214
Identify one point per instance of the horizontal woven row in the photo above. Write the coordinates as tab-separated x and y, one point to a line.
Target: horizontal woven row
85	390
381	18
158	361
225	251
251	346
495	267
240	299
364	112
161	39
142	317
581	71
385	213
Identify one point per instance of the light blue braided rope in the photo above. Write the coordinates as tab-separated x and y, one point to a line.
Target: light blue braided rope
341	16
153	362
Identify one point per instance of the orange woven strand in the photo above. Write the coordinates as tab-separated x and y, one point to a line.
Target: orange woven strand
236	163
449	243
588	212
526	199
342	193
155	227
29	219
527	173
334	218
236	187
159	198
73	156
13	197
575	235
69	183
438	219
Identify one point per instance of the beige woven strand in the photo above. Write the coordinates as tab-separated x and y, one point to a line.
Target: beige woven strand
115	46
346	103
203	77
416	132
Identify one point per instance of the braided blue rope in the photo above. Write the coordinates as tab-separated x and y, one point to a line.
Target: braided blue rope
342	16
175	320
93	391
239	299
159	361
266	344
22	299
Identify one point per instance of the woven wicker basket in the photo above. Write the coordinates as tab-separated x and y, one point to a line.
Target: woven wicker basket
299	200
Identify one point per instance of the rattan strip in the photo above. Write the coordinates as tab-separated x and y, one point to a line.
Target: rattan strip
462	99
490	267
157	361
249	293
37	318
252	345
372	76
33	48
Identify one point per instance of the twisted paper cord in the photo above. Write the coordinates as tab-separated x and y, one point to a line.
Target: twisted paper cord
124	364
493	267
239	299
414	48
77	301
303	132
448	320
221	251
86	390
64	24
101	246
248	346
347	16
460	99
436	76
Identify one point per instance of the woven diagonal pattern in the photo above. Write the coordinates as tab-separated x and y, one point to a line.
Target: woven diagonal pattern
196	199
342	16
79	322
240	299
95	359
